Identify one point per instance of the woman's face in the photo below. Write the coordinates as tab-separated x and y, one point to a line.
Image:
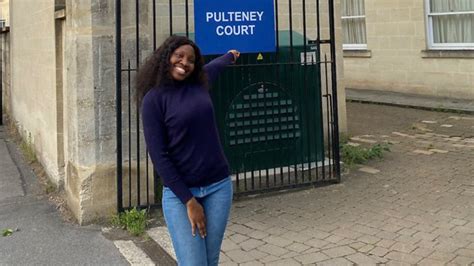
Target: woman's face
182	62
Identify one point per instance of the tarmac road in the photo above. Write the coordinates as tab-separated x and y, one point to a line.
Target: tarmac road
42	236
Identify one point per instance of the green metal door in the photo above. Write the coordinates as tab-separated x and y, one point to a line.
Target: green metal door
269	114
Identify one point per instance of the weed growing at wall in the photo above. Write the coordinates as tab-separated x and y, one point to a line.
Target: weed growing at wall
26	147
50	187
359	155
134	221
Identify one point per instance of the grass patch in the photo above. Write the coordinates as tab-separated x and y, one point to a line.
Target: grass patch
134	221
28	151
359	155
50	187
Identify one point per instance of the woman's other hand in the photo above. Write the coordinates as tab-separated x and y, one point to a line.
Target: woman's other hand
196	216
235	53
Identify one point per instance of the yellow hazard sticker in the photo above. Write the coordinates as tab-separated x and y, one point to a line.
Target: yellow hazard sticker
260	57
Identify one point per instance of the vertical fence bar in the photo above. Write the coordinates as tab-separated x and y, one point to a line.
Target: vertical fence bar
118	99
155	179
283	105
277	32
171	16
265	108
137	20
334	91
129	105
236	172
292	65
253	124
328	116
305	86
290	11
154	25
320	98
277	70
318	30
243	74
187	18
317	98
274	107
147	177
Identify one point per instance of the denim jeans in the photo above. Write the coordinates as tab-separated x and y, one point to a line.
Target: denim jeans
216	199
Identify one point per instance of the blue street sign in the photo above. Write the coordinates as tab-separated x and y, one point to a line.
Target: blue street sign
245	25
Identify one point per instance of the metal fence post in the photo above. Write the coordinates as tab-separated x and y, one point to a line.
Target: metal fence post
118	98
332	33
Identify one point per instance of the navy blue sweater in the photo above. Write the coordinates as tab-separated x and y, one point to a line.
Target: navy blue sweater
181	133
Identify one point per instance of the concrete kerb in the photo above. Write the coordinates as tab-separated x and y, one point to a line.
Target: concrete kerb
410	101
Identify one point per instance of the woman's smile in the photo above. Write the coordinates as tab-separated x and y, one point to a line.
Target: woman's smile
182	62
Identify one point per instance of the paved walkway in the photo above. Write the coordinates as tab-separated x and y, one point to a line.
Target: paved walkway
40	236
414	207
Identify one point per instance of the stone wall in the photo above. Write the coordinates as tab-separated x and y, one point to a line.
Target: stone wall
33	79
397	59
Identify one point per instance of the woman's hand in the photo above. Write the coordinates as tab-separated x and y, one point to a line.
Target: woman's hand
196	216
235	53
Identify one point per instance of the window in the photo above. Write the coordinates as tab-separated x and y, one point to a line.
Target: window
3	23
450	24
353	24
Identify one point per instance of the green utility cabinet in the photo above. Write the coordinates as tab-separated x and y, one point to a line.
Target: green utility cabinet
268	108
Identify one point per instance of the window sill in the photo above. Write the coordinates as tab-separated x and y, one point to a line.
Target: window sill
447	53
357	53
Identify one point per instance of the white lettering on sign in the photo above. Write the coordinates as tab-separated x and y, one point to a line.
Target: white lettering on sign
235	30
237	16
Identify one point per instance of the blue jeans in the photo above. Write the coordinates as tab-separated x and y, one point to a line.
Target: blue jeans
216	199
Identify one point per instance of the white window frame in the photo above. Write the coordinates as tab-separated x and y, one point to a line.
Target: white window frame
429	31
353	46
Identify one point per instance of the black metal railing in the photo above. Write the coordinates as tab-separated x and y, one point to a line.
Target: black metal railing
276	112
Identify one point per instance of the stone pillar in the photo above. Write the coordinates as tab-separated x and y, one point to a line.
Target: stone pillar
90	111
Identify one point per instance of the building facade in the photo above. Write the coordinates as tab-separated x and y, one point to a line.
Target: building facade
421	47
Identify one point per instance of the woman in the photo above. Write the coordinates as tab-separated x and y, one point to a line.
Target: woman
183	143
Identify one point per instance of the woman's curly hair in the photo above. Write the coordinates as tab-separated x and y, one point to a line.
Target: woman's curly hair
155	71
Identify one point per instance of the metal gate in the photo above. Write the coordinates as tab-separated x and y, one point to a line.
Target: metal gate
276	112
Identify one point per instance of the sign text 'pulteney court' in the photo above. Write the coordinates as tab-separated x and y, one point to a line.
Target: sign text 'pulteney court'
242	16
